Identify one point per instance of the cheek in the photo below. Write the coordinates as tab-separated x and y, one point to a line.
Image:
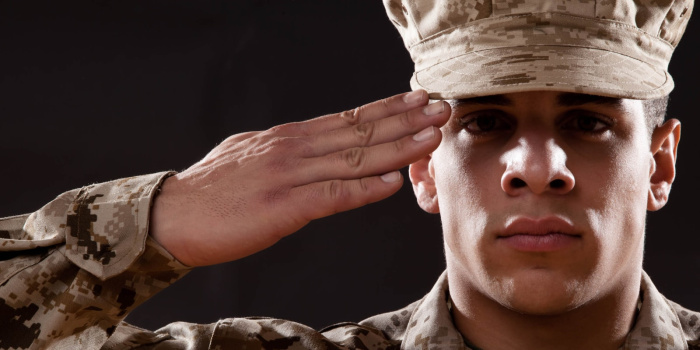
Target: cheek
464	186
617	211
623	182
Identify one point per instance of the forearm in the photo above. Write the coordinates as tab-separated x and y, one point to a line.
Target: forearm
75	268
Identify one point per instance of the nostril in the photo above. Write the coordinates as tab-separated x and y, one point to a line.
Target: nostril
517	183
558	183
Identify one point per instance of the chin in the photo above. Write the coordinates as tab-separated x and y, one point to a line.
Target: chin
541	292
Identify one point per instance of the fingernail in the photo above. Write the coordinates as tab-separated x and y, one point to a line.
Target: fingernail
393	176
434	108
425	134
413	96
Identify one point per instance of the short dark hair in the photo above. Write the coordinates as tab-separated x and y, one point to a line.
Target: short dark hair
655	112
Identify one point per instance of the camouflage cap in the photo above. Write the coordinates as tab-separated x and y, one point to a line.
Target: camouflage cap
466	48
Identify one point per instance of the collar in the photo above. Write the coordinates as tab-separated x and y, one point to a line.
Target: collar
431	325
657	325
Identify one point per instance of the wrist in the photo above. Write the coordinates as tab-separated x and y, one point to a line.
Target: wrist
164	216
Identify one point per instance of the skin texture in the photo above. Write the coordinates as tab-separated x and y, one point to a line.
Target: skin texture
586	164
578	168
258	187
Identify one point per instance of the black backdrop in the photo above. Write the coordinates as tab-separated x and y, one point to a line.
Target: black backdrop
97	90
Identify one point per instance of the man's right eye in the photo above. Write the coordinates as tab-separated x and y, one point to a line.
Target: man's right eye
478	123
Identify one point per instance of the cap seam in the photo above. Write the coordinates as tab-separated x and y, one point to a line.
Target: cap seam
666	75
564	83
501	18
409	16
534	45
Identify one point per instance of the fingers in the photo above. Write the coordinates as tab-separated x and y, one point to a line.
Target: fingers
361	162
330	197
381	130
370	112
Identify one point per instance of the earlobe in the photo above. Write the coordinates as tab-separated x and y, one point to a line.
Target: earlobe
422	177
664	145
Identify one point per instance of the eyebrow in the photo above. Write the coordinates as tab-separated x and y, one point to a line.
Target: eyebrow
497	100
567	99
572	99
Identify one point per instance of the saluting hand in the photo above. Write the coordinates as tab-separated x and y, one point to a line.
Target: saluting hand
257	187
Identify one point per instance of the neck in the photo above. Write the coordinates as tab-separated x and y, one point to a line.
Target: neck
602	323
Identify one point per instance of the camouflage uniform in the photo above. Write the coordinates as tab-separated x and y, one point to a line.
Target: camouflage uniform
71	272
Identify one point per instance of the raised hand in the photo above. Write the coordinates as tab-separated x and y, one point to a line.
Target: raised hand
257	187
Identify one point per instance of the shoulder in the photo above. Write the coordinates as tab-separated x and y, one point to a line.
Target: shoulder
394	323
690	323
270	333
251	333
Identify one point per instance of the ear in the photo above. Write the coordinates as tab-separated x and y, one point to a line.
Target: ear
422	177
664	144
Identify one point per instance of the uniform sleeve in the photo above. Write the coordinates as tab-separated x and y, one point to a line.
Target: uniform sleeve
71	271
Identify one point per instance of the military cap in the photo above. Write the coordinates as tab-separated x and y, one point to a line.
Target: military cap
467	48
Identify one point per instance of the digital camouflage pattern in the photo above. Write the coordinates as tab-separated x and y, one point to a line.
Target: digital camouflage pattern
467	48
71	272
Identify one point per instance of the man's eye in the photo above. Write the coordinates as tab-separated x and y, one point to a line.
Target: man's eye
587	123
483	123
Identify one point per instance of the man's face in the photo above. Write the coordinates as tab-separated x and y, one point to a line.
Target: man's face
543	197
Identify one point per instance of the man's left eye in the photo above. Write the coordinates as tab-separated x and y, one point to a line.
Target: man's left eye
484	122
587	122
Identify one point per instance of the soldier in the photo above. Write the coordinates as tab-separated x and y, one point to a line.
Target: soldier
543	151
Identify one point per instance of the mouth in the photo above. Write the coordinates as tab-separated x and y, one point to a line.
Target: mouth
547	234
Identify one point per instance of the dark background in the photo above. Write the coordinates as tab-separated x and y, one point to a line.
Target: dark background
92	91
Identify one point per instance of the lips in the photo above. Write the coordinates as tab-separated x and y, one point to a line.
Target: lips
546	234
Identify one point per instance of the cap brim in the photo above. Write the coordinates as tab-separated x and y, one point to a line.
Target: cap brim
550	68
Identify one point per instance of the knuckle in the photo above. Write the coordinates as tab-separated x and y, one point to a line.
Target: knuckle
298	128
277	129
351	117
406	120
354	158
285	144
364	133
234	139
364	185
281	154
286	129
385	104
335	190
228	142
279	143
288	149
399	146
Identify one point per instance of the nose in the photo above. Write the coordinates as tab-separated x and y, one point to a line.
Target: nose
536	165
